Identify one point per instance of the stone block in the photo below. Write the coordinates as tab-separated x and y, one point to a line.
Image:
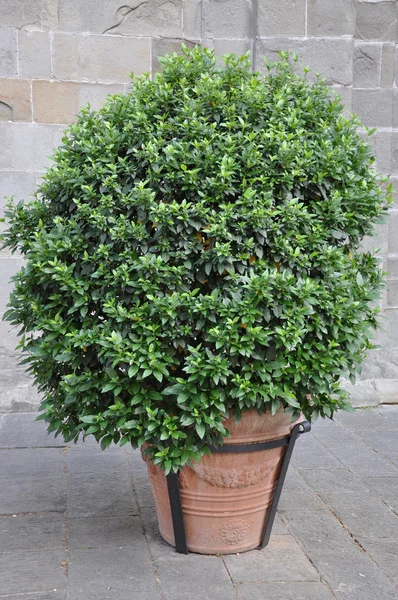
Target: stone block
327	18
28	572
394	156
395	110
345	93
382	147
15	104
8	52
379	241
387	65
371	368
388	388
8	268
161	46
227	46
17	391
192	19
114	573
283	561
285	17
363	393
351	573
232	19
392	294
388	360
393	232
24	13
27	532
341	480
376	21
34	53
8	342
332	58
108	59
367	59
18	184
27	147
374	107
60	102
392	267
141	18
384	552
308	590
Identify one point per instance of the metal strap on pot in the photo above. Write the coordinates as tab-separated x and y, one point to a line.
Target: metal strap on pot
174	487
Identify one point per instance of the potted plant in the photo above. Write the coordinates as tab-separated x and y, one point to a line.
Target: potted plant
193	272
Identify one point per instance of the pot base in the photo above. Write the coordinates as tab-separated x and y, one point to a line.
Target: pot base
226	498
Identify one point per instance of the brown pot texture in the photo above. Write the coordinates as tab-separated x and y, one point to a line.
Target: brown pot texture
226	497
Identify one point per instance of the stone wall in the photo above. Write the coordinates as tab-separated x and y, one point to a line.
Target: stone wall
57	55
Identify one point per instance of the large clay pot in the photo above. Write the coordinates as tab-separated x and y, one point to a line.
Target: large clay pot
226	497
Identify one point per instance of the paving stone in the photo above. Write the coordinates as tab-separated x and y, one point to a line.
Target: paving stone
321	480
281	560
384	552
207	577
363	460
367	63
307	590
376	21
386	488
286	17
232	19
50	595
111	574
327	18
347	569
26	146
34	53
374	107
110	16
162	46
332	58
361	421
192	19
33	495
297	495
363	513
310	453
80	461
60	101
23	431
108	59
8	268
108	493
32	533
385	441
27	572
103	532
37	462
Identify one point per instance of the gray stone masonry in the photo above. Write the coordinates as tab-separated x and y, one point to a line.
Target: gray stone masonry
58	55
79	524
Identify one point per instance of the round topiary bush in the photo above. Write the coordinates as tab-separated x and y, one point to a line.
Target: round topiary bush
193	249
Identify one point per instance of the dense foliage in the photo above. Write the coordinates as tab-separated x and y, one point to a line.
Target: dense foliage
194	249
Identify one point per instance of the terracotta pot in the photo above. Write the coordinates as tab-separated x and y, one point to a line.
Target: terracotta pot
226	497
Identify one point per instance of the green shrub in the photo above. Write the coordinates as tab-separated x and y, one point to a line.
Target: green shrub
195	248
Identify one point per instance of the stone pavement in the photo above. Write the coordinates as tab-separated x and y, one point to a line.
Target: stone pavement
79	524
